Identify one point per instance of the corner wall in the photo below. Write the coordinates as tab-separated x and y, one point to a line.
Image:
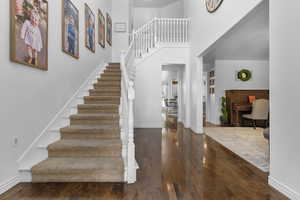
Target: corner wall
148	85
284	83
30	98
206	28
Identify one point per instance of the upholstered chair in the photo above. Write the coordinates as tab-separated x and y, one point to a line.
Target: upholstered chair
260	111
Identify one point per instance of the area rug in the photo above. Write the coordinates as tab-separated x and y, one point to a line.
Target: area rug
248	143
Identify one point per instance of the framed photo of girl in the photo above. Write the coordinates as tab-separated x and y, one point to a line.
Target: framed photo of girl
108	29
29	33
70	29
89	29
101	29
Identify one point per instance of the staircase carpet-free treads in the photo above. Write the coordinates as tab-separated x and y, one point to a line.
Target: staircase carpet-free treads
90	149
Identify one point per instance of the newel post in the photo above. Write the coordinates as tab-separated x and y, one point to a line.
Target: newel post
131	146
123	115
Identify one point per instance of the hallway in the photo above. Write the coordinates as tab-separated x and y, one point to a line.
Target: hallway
173	165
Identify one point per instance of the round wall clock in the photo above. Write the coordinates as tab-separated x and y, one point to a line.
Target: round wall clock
213	5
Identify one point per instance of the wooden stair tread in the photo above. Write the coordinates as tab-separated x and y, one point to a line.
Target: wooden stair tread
78	165
94	116
106	89
88	146
104	131
102	97
98	106
72	128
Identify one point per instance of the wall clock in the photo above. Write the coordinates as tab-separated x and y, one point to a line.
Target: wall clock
213	5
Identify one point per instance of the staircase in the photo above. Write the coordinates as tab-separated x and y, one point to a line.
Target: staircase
90	149
98	144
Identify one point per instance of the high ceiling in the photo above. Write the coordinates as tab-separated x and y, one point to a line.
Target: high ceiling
248	40
152	3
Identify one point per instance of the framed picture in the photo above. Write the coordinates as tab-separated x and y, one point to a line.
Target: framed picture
89	29
101	29
70	29
108	29
29	33
213	5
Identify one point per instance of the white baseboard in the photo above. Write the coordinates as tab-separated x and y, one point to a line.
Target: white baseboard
197	130
287	191
6	185
35	153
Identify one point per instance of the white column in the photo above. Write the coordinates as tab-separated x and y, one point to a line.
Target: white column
199	96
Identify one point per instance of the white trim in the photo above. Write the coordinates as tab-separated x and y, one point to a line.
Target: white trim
197	130
8	184
284	189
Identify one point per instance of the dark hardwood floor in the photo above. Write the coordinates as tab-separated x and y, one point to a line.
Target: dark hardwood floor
174	164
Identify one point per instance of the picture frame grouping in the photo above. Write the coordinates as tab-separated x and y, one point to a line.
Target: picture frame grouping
29	31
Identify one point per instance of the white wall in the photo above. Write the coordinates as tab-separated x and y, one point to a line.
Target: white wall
148	85
284	85
205	29
173	10
120	13
143	15
225	72
30	98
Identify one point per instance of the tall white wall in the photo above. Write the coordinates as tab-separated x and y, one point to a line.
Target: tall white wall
148	85
205	29
121	12
173	10
284	85
225	72
30	98
143	15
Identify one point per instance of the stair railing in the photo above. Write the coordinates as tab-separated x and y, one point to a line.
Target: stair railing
161	31
154	34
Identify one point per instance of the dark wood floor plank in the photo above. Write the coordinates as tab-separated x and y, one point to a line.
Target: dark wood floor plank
174	164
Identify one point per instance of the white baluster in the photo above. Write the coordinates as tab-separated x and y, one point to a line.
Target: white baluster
177	31
160	30
155	32
168	30
185	31
165	30
172	30
181	31
147	37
